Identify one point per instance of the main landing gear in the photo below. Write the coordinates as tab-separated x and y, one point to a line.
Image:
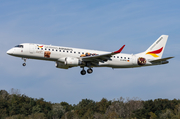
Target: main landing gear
89	71
24	64
83	72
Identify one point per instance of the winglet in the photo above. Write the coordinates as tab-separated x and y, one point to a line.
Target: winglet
120	49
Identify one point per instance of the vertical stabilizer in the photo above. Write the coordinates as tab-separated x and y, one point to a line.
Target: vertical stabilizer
155	51
157	48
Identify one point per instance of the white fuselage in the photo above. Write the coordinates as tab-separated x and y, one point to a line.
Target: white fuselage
66	57
34	51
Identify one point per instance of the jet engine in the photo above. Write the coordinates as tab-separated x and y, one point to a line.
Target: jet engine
71	61
61	65
141	61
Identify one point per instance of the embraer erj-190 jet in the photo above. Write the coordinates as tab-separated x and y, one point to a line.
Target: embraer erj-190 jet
66	57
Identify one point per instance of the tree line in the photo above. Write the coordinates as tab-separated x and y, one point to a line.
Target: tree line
16	106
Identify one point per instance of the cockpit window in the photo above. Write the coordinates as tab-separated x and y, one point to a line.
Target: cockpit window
19	46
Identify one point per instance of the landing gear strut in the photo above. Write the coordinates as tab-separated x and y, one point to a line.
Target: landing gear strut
24	64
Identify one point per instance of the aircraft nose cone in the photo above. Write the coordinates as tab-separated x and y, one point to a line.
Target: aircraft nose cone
9	52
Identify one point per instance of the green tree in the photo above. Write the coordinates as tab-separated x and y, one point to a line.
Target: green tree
102	105
166	114
36	109
57	110
66	106
152	115
37	116
84	106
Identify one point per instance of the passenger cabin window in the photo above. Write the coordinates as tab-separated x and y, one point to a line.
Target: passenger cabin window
56	50
52	49
45	49
74	52
67	51
41	48
59	50
79	52
117	56
19	46
49	49
70	51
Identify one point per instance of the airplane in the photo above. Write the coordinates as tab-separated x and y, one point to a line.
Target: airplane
67	57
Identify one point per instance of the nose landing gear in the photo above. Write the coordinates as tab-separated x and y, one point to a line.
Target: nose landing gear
24	64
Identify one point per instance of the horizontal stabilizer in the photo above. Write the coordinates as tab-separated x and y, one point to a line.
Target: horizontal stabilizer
163	59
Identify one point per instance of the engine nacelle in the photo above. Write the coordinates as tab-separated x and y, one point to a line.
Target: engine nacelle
61	65
71	61
141	61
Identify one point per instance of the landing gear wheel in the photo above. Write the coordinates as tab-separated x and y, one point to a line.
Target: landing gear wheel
83	72
24	64
89	71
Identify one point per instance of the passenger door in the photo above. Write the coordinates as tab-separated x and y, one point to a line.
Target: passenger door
31	48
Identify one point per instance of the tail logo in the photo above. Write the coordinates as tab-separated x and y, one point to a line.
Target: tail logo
154	53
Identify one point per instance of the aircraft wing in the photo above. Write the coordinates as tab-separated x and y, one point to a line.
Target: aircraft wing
163	59
101	58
